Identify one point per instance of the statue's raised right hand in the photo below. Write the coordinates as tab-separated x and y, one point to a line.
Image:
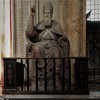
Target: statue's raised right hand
32	11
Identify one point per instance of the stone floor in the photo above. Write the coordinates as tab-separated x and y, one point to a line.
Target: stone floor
91	96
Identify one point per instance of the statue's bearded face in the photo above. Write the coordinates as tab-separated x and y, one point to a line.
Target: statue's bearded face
47	16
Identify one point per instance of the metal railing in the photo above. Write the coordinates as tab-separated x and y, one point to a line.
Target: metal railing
17	75
94	78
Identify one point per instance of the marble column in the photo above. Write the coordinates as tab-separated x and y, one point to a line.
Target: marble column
76	24
76	30
73	22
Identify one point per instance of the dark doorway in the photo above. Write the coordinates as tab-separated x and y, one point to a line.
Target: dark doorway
93	52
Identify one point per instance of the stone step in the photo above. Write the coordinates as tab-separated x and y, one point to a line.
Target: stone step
91	96
45	97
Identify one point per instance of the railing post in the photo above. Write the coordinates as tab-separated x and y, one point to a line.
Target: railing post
94	77
45	75
54	82
27	74
22	75
69	67
36	74
63	74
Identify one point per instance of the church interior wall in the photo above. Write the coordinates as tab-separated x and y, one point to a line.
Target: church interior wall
69	13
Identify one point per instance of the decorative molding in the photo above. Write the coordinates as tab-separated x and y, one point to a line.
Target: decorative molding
2	35
20	19
10	28
21	28
15	26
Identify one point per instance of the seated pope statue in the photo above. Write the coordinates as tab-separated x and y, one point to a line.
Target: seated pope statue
44	41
